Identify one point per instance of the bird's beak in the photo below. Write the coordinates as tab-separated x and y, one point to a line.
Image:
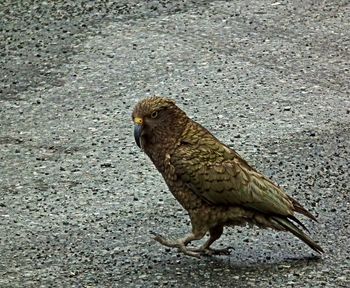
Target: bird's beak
138	130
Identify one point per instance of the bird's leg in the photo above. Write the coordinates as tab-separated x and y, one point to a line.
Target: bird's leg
215	233
182	242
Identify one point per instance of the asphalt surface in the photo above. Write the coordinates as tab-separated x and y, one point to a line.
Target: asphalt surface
79	199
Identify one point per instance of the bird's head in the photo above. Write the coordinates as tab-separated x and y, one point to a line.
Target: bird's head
157	120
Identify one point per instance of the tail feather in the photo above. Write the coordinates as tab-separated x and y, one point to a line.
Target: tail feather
300	209
291	227
296	220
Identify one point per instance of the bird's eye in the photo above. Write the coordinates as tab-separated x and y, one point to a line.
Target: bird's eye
154	114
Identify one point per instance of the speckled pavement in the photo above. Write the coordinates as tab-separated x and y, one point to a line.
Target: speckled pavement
78	199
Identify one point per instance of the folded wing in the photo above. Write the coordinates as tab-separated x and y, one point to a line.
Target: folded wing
221	177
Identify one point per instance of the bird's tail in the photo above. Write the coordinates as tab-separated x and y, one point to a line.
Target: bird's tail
283	223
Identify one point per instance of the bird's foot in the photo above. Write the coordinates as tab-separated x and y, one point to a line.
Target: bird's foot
211	251
178	243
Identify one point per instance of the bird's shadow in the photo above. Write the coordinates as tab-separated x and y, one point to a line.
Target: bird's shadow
239	265
279	263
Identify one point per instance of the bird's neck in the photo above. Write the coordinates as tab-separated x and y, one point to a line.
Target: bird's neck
157	154
163	143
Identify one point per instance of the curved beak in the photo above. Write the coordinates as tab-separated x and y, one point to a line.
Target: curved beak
137	134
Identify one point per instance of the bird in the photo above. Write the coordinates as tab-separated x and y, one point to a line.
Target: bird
211	181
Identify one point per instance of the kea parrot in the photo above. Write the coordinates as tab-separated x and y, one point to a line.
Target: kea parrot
210	180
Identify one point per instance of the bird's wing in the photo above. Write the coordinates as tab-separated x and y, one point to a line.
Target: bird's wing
217	174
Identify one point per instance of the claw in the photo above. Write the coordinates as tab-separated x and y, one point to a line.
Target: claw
193	254
179	244
156	235
210	251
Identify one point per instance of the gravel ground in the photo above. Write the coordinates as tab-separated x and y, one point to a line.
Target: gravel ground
78	198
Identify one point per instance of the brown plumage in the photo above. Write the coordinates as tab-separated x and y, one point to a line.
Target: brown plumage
211	181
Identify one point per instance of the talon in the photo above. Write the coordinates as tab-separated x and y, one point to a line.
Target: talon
210	251
179	244
157	237
224	251
189	253
154	233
